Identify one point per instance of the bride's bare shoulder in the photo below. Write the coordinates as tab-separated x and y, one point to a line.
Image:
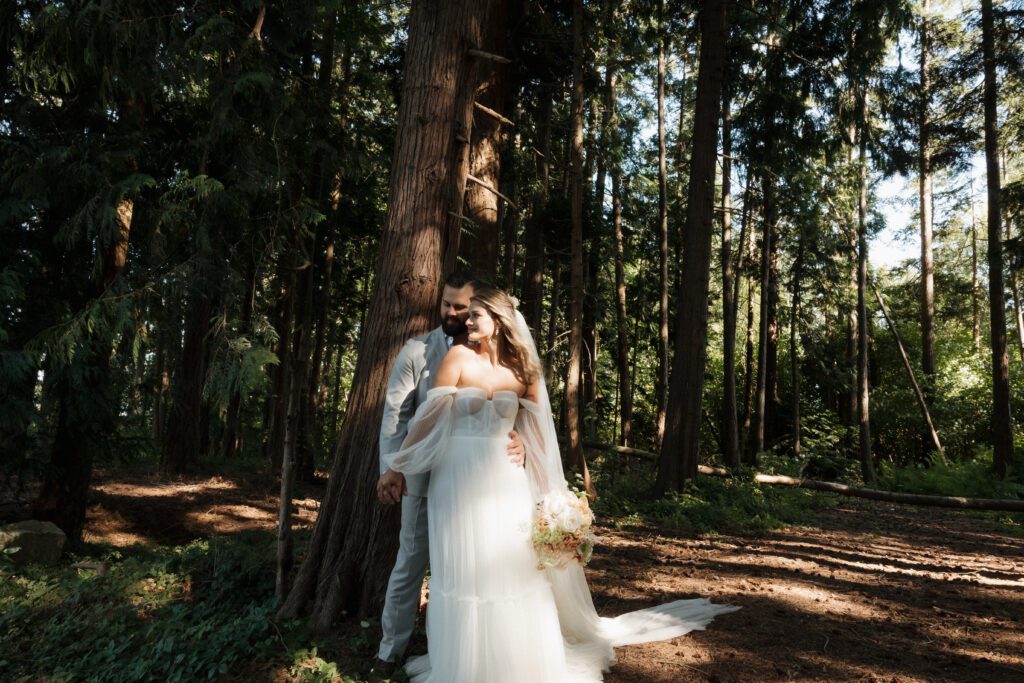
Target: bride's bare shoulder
450	370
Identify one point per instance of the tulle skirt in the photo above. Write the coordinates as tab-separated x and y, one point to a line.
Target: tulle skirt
493	617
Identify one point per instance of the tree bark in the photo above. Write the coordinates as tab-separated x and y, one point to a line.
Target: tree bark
730	431
621	318
354	539
1018	310
925	206
479	246
680	451
794	328
910	374
662	384
762	342
533	281
748	360
863	391
1002	424
572	378
975	303
183	442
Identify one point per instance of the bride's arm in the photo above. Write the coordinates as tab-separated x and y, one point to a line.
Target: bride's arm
428	430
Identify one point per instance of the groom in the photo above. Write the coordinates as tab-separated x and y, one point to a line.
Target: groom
412	376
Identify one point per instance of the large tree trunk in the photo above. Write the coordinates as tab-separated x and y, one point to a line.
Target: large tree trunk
925	206
572	378
730	432
355	539
680	453
863	330
1002	425
481	238
183	436
662	384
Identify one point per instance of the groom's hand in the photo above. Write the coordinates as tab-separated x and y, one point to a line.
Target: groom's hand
391	487
516	450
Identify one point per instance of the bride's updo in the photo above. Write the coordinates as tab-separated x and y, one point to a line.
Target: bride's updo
502	308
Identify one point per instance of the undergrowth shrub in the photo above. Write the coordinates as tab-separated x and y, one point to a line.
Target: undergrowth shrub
973	478
708	505
187	613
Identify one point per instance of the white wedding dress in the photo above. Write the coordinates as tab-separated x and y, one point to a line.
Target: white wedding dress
493	617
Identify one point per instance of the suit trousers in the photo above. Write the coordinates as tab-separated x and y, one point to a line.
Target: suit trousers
402	600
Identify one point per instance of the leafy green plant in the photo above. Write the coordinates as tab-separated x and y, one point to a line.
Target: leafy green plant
708	506
173	614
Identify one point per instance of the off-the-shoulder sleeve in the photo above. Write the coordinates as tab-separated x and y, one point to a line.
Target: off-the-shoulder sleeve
543	459
427	436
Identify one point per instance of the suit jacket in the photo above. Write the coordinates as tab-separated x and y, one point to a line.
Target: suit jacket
412	376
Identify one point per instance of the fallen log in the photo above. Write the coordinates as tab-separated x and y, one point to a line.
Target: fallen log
956	502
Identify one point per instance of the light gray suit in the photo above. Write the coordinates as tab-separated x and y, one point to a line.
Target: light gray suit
412	376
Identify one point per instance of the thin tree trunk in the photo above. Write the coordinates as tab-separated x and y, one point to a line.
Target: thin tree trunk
925	211
316	385
863	391
925	206
762	342
1002	422
572	378
533	284
680	451
285	539
621	319
354	539
748	359
975	303
281	381
910	374
794	355
1014	290
556	295
730	432
663	349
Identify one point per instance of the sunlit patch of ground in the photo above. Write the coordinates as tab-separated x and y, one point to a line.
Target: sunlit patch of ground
151	510
874	592
869	592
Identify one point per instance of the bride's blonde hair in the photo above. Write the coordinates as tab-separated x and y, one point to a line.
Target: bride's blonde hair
502	308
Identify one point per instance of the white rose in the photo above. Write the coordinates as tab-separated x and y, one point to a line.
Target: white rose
570	520
554	505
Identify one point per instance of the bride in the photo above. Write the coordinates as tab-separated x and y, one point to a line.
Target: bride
493	616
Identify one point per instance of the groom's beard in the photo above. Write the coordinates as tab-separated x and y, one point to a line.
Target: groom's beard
453	326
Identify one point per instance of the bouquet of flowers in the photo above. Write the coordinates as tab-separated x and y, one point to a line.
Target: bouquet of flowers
562	530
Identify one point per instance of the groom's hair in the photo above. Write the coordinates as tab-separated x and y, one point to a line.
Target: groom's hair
459	279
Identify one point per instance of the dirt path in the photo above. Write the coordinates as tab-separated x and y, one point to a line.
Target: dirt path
870	592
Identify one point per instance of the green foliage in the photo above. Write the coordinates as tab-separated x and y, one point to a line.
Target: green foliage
173	614
711	505
969	478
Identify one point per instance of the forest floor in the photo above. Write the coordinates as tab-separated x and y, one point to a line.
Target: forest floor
865	592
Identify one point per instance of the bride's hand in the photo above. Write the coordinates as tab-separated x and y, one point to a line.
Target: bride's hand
516	450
